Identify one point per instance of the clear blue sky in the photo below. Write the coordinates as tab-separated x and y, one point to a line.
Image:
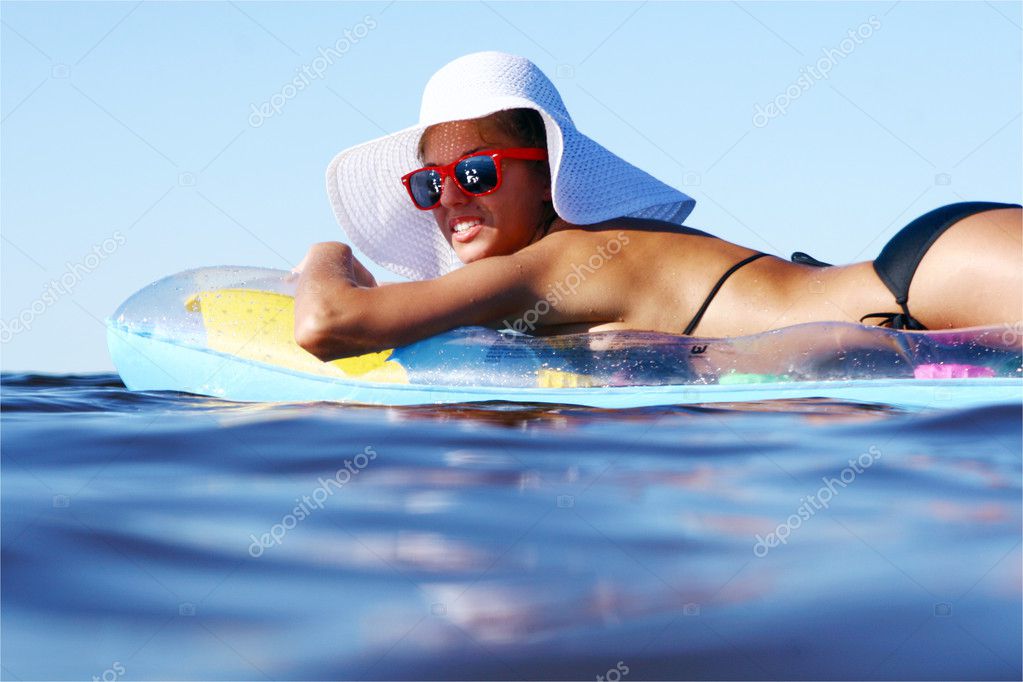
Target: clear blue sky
128	130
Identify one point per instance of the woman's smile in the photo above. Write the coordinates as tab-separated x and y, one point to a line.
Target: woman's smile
464	228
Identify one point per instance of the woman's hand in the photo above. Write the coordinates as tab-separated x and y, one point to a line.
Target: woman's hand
340	312
340	253
327	297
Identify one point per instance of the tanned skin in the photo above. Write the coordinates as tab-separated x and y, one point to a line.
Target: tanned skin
650	276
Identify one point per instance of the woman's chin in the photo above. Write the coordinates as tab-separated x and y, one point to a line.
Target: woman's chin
475	250
470	253
484	244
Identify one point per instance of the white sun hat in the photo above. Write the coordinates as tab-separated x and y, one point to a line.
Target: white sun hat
589	184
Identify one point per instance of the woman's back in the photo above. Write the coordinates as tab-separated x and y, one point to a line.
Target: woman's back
660	279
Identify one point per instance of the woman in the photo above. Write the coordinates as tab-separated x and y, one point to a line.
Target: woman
558	235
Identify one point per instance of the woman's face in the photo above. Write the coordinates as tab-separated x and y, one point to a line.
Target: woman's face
508	219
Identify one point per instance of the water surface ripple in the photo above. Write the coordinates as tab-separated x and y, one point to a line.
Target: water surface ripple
171	536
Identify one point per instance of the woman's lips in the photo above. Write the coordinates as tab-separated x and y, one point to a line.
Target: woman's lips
467	234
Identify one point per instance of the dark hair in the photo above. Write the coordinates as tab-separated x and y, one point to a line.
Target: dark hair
525	126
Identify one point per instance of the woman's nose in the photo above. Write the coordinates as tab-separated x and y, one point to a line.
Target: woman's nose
451	195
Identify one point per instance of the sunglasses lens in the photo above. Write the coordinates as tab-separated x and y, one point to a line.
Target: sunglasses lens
425	186
477	174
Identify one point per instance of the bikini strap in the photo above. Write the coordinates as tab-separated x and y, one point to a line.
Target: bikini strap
713	292
901	320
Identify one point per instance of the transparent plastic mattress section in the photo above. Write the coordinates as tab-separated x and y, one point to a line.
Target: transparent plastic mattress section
244	317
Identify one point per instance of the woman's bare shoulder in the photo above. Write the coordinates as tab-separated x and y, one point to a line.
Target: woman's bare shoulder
626	223
567	242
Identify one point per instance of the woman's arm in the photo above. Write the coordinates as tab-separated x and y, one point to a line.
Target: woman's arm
363	277
338	315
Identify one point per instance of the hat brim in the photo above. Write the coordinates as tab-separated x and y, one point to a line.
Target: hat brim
589	184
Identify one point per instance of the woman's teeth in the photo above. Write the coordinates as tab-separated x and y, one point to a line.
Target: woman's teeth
463	225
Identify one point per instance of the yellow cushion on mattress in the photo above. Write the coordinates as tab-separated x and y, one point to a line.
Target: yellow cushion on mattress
259	325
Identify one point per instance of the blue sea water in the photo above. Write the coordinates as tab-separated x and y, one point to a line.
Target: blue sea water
167	536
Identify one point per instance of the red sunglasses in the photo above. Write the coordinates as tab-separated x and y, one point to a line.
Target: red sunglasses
476	174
